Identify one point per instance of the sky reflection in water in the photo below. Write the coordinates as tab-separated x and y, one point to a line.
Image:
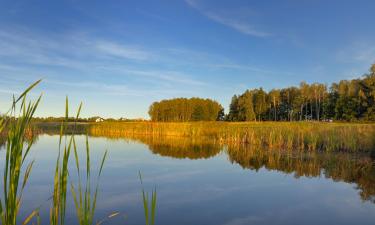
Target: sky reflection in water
202	183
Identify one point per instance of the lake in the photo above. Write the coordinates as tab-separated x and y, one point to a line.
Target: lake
201	182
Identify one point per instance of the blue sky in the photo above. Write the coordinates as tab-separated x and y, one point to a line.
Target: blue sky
120	56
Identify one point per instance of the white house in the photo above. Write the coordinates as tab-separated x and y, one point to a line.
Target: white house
99	119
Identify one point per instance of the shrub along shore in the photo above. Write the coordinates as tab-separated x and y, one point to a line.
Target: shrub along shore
311	136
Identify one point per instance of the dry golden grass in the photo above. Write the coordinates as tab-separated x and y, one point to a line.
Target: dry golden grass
351	137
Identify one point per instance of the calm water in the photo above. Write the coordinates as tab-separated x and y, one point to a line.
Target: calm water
203	183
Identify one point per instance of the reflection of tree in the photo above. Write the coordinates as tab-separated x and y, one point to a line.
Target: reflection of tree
349	168
176	147
181	147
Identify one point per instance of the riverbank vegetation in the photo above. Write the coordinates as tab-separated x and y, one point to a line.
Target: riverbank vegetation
311	136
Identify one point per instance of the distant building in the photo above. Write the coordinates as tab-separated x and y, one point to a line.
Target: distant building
99	119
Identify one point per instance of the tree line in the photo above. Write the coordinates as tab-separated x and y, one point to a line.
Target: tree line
347	100
186	109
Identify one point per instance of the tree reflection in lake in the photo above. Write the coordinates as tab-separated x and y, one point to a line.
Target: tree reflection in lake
176	147
358	169
181	147
346	167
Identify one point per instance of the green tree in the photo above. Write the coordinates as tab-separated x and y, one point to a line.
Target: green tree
274	96
260	104
233	109
245	107
183	109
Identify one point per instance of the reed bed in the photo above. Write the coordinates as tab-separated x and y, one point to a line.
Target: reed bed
311	136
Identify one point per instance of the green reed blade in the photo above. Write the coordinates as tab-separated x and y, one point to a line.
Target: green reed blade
16	155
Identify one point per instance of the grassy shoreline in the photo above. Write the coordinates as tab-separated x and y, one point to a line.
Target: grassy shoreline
312	136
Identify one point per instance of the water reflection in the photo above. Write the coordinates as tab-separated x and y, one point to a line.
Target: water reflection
358	169
349	168
218	184
175	147
181	148
31	137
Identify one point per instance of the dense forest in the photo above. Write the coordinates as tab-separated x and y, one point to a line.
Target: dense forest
347	100
186	109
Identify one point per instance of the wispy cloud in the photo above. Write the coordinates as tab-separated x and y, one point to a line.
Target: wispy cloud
232	22
91	56
240	26
108	89
188	57
248	68
366	55
121	51
359	52
166	75
357	58
85	54
65	50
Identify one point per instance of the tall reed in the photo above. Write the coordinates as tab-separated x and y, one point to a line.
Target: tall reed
148	207
16	153
84	199
310	136
57	210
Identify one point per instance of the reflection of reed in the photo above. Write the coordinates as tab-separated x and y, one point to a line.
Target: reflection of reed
337	166
34	130
31	135
296	136
53	128
3	140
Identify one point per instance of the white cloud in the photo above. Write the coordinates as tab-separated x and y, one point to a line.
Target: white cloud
232	22
356	58
82	54
240	26
114	89
121	51
366	55
173	76
358	52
